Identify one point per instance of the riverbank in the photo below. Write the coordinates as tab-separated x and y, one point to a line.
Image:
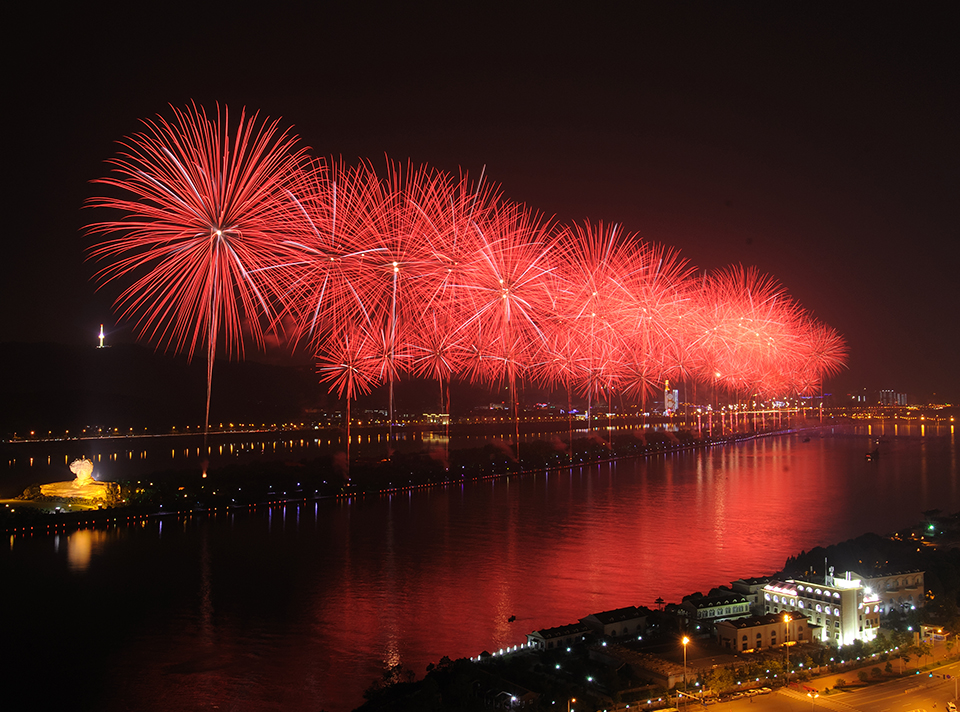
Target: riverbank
253	485
611	672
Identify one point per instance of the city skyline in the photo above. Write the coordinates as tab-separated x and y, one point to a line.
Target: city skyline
817	148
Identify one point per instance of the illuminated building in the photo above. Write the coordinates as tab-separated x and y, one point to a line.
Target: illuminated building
889	397
752	590
902	591
708	610
671	399
768	631
845	609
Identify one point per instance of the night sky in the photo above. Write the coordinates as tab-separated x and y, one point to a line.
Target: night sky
816	142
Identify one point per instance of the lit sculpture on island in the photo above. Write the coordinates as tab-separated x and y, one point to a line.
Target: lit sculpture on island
83	488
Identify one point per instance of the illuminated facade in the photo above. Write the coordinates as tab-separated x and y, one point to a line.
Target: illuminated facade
902	591
709	609
671	399
845	609
758	632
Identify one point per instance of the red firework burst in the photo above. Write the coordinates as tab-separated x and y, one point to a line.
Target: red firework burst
205	210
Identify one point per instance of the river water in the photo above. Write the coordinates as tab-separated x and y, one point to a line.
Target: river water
302	606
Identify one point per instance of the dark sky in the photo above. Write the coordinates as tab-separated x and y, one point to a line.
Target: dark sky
818	142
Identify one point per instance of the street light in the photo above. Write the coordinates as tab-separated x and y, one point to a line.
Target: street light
685	641
786	635
570	702
813	696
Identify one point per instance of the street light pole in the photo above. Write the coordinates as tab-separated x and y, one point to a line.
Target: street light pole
786	636
569	702
685	642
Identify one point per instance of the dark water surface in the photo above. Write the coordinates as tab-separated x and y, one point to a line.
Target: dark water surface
301	607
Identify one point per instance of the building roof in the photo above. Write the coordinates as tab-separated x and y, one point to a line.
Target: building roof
562	631
753	581
727	599
617	615
756	621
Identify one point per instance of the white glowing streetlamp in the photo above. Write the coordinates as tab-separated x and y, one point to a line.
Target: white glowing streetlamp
686	642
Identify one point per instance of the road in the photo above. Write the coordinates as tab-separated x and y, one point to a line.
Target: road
916	693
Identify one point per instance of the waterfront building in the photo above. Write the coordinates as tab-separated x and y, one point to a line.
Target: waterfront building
752	590
902	591
617	623
745	635
561	636
844	608
702	612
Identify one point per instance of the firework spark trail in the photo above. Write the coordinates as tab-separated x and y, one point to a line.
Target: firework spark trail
348	362
509	292
203	216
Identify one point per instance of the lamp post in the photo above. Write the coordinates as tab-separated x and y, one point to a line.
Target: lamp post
570	702
813	696
786	636
685	641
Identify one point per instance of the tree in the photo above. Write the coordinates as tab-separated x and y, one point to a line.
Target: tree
720	679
